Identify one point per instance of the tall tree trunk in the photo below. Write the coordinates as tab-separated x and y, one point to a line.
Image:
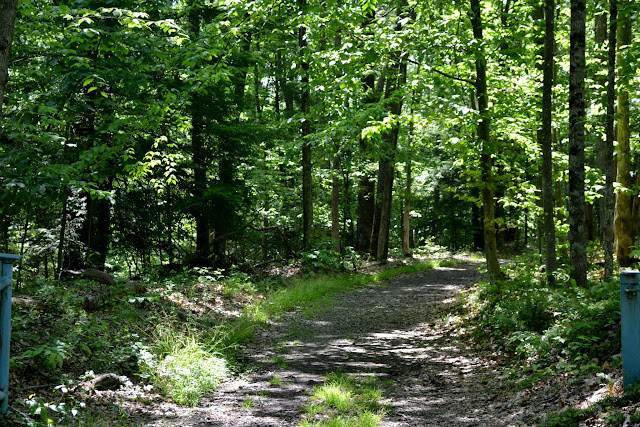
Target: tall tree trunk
305	106
547	143
366	185
623	221
600	37
7	25
395	80
608	157
406	231
486	163
335	204
199	158
577	114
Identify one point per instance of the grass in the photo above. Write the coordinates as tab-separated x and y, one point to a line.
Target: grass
345	401
187	372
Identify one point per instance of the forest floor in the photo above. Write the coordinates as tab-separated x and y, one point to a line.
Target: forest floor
401	332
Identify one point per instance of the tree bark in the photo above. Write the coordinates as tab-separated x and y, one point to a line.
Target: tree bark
406	223
486	163
365	212
199	159
547	143
623	220
305	106
577	114
7	26
395	80
366	185
335	204
607	226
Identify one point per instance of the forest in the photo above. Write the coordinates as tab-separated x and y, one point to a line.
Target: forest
236	133
148	140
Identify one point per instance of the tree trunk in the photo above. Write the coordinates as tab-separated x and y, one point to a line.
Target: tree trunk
365	212
305	106
335	204
486	164
396	79
607	226
406	231
547	143
577	114
623	221
199	159
366	185
7	21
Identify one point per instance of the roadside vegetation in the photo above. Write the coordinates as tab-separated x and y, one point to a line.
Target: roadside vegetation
564	334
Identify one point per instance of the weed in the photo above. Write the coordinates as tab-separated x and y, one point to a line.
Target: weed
345	401
276	380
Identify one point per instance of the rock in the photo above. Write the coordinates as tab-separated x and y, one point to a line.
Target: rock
107	381
98	276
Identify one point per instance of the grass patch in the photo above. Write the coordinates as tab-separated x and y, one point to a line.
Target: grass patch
187	372
345	401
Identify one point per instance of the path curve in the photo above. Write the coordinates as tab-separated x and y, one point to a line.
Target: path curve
392	331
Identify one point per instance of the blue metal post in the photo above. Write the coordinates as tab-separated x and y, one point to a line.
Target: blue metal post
630	325
6	276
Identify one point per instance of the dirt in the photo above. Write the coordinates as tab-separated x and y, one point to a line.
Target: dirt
400	332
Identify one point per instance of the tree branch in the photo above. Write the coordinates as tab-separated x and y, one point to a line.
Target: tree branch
442	73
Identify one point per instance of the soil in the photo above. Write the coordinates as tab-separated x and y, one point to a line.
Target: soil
400	332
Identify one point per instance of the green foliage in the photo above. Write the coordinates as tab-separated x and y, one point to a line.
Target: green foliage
187	372
563	329
328	260
345	401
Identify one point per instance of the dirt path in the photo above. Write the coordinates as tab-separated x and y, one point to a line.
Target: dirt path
393	331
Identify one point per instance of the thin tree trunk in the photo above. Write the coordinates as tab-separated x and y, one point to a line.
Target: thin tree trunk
396	79
305	106
547	143
335	204
63	231
406	231
577	114
7	26
623	221
608	164
483	130
203	247
600	37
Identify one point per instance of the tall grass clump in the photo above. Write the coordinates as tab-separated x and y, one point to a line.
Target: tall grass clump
345	401
184	364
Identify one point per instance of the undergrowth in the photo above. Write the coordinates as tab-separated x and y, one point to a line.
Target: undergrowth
540	332
548	330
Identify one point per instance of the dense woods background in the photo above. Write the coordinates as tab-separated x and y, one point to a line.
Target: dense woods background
219	133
